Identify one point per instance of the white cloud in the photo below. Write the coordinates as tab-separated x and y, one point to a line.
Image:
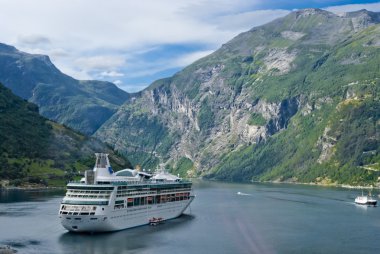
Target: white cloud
118	82
354	7
159	65
111	74
187	59
246	20
77	73
132	88
100	62
51	52
88	39
33	39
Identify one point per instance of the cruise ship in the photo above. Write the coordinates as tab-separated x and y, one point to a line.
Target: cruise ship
108	201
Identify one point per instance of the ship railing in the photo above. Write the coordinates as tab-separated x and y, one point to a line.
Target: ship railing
88	196
175	190
124	193
152	181
148	182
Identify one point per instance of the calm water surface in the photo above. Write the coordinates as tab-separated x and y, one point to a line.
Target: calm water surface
269	218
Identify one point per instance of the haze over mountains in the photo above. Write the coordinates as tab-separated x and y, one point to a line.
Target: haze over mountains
293	100
82	105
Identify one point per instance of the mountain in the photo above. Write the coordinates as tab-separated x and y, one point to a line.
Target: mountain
82	105
36	150
293	100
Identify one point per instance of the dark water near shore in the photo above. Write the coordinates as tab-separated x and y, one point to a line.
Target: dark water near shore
271	218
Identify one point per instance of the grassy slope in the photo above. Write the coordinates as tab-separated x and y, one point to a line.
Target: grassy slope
333	61
35	150
354	123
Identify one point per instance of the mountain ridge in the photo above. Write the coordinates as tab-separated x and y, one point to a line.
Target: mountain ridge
59	96
268	105
238	103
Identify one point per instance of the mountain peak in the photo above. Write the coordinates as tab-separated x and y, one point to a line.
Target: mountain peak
312	11
7	48
363	13
360	12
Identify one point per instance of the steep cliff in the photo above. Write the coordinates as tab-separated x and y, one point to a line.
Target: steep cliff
267	105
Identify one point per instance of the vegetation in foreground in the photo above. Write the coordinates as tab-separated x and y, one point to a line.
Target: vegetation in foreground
37	152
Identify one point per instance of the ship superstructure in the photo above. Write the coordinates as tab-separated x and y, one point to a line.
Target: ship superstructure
106	201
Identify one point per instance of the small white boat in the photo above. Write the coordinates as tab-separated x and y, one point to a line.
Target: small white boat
365	200
243	194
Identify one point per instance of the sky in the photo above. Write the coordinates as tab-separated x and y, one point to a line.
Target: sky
134	42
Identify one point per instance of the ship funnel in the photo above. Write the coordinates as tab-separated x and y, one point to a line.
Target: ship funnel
102	166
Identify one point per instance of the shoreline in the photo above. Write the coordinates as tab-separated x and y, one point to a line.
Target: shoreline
345	186
36	188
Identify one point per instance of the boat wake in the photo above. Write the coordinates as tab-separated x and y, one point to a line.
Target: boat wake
243	194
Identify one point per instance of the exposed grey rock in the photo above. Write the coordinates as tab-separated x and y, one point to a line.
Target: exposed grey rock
291	35
231	86
279	60
326	144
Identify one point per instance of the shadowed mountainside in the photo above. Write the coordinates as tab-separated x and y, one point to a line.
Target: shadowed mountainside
38	151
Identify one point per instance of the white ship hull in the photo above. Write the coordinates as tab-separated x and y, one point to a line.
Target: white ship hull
365	201
123	218
107	201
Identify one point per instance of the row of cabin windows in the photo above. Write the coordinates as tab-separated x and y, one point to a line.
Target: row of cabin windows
78	208
160	199
175	190
157	199
152	188
87	196
87	192
134	192
131	193
84	202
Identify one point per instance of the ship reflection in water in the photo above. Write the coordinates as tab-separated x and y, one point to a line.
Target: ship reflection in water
139	238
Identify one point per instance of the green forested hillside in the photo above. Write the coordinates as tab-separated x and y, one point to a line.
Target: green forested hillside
293	100
35	150
295	154
338	141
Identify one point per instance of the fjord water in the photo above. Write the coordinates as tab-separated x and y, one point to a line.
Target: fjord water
224	218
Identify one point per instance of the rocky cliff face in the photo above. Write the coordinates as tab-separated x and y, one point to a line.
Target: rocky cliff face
238	113
293	100
215	122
